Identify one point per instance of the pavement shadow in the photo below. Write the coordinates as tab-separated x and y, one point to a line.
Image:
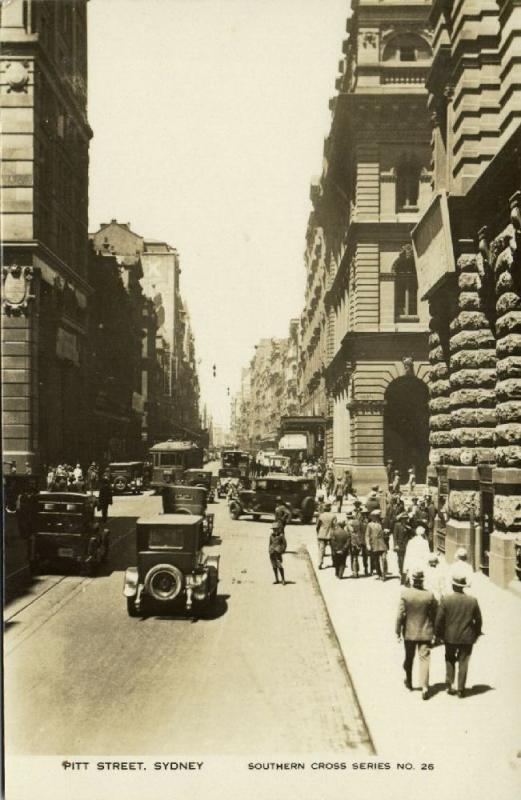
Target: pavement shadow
478	688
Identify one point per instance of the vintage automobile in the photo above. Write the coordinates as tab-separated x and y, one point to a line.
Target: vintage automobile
61	527
126	477
171	567
202	478
189	500
226	477
297	493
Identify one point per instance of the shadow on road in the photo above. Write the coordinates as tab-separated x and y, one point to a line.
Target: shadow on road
218	610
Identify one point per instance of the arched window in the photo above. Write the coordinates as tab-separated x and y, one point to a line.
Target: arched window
406	47
405	287
408	173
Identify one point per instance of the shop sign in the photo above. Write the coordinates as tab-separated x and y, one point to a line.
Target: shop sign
432	245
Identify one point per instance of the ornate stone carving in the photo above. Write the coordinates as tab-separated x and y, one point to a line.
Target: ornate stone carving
17	76
408	365
366	406
16	294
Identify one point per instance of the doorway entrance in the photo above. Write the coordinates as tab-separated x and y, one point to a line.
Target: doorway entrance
406	426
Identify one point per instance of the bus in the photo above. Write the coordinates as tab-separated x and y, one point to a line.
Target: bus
170	459
238	459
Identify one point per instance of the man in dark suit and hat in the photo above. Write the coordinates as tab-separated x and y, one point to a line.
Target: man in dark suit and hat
458	624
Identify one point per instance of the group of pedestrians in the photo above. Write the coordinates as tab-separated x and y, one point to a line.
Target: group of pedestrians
66	478
423	620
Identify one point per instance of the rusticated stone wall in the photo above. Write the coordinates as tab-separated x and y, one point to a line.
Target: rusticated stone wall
508	346
506	258
440	436
472	371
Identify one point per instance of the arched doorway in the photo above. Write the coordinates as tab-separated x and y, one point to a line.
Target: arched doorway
406	426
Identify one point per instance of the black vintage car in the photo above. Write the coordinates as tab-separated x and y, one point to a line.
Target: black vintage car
202	478
126	476
189	500
171	568
61	527
297	493
227	477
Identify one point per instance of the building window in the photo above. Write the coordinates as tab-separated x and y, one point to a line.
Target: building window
405	288
407	53
407	184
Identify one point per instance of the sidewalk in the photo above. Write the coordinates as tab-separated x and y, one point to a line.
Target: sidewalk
484	726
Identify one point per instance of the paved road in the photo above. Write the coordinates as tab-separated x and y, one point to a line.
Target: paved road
264	675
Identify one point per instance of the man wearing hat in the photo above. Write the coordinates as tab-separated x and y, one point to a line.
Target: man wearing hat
417	551
401	536
340	544
460	566
325	523
458	624
276	549
415	623
373	501
376	544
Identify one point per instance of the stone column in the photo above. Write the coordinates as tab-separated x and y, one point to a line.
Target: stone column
505	255
472	401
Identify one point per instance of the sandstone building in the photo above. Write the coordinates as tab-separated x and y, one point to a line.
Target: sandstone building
467	256
45	160
364	343
152	271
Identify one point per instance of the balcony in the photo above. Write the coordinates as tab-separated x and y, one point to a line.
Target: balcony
403	75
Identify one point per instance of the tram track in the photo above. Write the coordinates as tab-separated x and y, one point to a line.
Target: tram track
78	584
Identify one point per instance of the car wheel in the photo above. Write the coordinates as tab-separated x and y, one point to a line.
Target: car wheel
106	548
235	510
90	568
131	607
164	582
307	510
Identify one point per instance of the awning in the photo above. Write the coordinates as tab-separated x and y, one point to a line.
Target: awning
294	441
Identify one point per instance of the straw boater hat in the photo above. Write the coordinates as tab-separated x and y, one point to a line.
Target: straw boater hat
376	512
417	574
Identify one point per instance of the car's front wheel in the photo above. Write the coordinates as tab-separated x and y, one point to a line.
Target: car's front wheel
235	510
307	510
34	566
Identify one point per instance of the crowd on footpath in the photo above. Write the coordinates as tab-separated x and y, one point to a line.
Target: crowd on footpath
435	606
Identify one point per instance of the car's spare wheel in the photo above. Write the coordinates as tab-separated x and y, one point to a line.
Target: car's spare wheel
164	582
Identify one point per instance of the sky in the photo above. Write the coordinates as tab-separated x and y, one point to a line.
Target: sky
209	118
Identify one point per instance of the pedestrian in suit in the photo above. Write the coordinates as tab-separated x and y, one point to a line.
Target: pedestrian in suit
325	524
339	493
340	544
277	548
105	498
357	541
415	623
401	536
376	544
458	624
